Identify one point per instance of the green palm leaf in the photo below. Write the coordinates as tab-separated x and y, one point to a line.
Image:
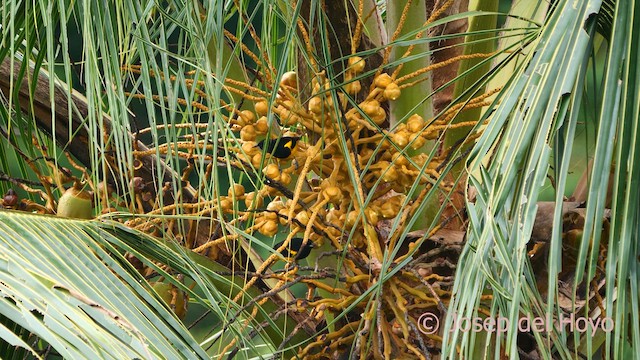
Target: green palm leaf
61	283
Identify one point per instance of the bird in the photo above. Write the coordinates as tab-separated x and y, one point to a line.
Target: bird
280	148
295	250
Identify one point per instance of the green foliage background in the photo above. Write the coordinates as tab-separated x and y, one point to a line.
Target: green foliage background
570	95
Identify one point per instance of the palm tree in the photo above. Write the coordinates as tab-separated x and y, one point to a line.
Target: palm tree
425	149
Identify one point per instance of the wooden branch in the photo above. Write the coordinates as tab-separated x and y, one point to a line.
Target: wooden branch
38	104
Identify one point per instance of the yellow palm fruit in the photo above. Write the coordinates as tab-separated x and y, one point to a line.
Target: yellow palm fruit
270	215
269	228
302	217
334	194
401	139
392	91
333	217
248	116
371	215
370	107
290	78
415	123
316	105
390	174
275	205
262	125
356	64
236	190
226	205
248	133
251	198
272	171
353	87
351	219
262	108
379	116
399	159
250	148
389	209
417	141
382	80
285	178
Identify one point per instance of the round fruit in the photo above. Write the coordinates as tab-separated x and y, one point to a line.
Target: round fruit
392	91
10	198
76	203
269	228
356	64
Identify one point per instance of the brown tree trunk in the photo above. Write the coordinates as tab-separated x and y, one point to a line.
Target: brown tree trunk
447	49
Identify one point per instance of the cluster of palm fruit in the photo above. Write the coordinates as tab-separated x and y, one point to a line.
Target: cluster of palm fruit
316	157
317	160
320	156
330	152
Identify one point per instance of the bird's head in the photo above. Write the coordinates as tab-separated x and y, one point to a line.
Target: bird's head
290	141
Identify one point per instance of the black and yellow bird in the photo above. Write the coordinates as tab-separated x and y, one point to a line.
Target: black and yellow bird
280	148
295	250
